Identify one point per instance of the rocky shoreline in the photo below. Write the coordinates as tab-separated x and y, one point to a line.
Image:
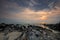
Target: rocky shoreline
27	32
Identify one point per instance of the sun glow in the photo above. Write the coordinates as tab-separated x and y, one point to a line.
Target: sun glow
43	17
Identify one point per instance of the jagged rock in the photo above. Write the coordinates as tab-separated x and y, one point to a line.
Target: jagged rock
32	33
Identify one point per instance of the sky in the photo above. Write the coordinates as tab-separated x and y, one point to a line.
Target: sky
30	11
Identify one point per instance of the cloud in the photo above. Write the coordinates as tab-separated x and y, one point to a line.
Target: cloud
29	15
51	5
9	8
54	4
30	11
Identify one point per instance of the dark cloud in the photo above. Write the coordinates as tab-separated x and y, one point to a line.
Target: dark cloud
12	5
8	8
